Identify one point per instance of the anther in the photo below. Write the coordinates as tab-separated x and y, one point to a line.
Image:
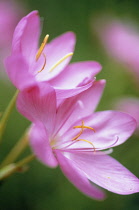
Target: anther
88	142
42	47
82	127
43	64
60	61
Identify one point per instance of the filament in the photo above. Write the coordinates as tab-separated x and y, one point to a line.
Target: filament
82	127
88	142
60	61
43	64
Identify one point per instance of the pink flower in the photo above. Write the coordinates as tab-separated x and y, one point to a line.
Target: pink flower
29	64
130	106
10	13
72	136
122	42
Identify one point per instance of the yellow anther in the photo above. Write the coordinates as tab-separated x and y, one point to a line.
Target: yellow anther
43	64
80	126
80	131
42	47
60	61
87	142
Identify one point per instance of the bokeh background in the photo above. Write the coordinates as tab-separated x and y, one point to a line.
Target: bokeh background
42	188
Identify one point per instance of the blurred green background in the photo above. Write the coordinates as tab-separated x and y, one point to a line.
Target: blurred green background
42	188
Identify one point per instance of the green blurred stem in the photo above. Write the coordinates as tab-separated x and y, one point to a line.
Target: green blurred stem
14	167
6	114
16	150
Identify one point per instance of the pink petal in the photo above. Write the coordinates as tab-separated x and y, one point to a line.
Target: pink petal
130	106
54	51
66	93
26	36
10	13
17	70
38	104
76	75
112	128
106	172
121	41
78	107
39	141
78	178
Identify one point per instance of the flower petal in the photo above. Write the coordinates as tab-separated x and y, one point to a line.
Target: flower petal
38	104
121	41
129	105
26	36
109	126
111	129
39	141
66	93
78	107
106	172
78	178
76	75
17	70
54	51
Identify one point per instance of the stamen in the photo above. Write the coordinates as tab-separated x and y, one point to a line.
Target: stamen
80	131
43	64
42	47
87	142
80	126
60	61
76	137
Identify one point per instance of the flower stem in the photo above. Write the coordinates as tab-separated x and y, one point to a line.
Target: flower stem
13	167
16	150
6	114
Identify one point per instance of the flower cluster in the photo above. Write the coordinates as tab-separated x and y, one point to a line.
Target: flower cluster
60	99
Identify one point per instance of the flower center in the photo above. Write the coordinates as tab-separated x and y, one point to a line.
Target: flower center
82	126
40	52
64	145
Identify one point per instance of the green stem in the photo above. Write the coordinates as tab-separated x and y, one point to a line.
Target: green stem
6	114
16	150
14	167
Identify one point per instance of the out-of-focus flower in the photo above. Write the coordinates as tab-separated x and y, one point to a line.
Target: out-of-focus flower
10	13
29	65
72	136
129	105
121	41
